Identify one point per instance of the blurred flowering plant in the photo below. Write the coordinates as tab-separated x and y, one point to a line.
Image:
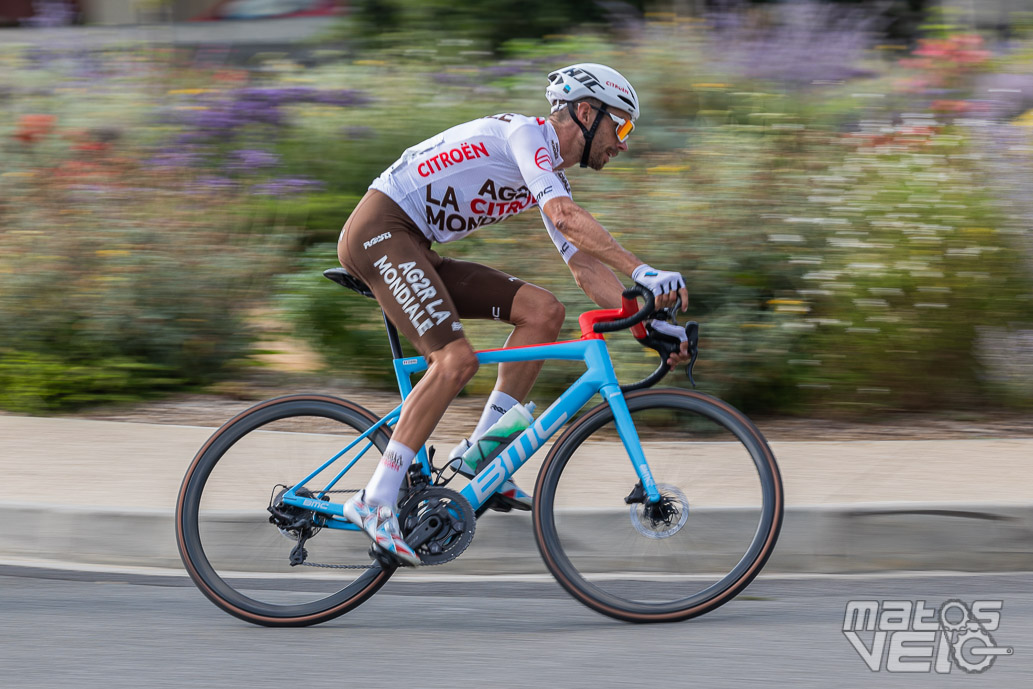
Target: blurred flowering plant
842	238
34	128
212	123
51	13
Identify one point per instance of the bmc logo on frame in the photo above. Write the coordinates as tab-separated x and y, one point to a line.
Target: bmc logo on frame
910	636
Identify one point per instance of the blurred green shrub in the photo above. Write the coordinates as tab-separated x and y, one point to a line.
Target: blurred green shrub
34	383
840	216
840	258
125	287
345	328
487	24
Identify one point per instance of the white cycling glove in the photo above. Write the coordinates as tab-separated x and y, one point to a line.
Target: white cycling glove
669	329
657	281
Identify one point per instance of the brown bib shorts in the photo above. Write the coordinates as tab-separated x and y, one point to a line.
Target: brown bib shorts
422	293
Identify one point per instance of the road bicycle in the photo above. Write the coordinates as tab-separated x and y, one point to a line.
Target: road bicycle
657	505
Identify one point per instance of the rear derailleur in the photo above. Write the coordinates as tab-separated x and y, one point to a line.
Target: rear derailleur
294	523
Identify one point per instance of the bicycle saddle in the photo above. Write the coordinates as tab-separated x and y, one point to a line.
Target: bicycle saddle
346	279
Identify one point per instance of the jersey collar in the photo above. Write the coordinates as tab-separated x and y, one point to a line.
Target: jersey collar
553	140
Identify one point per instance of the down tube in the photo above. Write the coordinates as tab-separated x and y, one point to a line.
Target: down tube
513	457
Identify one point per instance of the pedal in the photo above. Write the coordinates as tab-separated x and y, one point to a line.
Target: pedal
496	503
386	559
500	503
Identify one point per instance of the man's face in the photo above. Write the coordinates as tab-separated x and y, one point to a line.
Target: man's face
605	145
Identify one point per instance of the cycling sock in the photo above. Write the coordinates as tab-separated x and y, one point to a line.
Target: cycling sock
498	404
383	488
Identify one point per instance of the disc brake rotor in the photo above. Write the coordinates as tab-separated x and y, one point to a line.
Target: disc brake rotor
662	519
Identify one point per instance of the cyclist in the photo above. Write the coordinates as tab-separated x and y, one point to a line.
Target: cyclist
442	189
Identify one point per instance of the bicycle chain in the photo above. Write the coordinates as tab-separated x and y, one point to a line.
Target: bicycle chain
329	566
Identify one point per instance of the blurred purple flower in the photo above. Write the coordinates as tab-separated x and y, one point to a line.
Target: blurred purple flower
250	159
341	98
190	139
287	186
301	94
174	158
222	117
804	42
215	121
49	13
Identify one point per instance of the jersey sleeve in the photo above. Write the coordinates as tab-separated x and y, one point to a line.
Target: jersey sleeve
565	248
531	153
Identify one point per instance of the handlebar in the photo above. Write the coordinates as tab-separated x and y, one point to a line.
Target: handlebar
628	298
664	345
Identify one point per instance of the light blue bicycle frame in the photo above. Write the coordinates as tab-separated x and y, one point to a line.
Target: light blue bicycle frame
599	378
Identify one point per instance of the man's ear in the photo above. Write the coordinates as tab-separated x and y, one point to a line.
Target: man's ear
584	112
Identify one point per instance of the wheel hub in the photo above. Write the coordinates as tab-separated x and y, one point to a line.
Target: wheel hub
661	519
293	522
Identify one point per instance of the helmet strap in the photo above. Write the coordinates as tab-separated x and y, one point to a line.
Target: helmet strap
589	134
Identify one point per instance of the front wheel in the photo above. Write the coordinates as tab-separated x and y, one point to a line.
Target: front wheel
714	528
240	558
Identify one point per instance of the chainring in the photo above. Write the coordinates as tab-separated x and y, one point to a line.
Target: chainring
438	523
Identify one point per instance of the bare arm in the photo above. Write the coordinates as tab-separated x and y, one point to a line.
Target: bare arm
585	232
604	288
597	281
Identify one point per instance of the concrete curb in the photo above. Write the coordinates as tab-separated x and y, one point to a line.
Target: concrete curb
836	539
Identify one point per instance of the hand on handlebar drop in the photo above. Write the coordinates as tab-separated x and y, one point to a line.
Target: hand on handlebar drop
682	355
665	285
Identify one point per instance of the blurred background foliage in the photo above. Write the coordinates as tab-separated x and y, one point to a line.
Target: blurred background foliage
846	187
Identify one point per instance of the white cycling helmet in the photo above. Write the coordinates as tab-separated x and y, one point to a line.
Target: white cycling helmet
590	80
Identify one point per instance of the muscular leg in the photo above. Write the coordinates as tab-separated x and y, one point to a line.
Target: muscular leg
538	317
451	367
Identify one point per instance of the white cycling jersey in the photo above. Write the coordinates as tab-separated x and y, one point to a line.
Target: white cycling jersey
479	173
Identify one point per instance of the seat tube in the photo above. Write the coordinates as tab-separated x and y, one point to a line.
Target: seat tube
403	374
629	436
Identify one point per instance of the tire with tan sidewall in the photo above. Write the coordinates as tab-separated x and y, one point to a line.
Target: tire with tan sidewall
732	583
188	538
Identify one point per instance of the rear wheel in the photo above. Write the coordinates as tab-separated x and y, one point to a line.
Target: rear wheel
240	559
711	533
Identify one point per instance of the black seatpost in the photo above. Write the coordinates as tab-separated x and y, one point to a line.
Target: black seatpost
392	337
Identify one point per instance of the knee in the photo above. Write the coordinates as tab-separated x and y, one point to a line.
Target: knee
455	364
548	313
553	313
540	309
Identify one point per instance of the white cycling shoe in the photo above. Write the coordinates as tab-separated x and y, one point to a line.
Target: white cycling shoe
381	524
509	494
